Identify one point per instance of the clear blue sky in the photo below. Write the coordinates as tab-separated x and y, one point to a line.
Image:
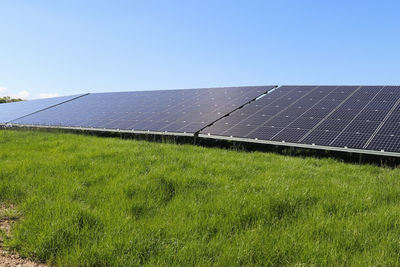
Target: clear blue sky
68	47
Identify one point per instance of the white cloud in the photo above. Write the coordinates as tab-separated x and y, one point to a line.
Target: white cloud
3	91
21	94
24	94
45	95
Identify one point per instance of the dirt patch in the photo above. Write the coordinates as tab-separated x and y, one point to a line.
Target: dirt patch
10	259
5	225
13	260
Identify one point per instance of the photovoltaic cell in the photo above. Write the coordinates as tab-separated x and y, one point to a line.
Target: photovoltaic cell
357	117
317	113
167	110
305	103
390	128
294	111
385	143
340	96
265	131
240	130
271	110
344	114
322	138
351	140
12	111
279	121
362	96
255	119
304	123
356	105
387	97
394	116
362	126
373	115
380	105
334	117
328	104
332	125
290	135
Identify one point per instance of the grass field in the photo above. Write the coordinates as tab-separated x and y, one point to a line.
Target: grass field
90	201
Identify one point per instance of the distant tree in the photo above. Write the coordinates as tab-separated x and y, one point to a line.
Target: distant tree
8	99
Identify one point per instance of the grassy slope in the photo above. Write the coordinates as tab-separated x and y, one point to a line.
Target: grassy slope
95	201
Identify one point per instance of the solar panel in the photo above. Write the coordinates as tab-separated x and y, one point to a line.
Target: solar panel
178	111
12	111
364	118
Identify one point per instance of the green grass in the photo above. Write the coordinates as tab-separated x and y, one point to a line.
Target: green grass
89	201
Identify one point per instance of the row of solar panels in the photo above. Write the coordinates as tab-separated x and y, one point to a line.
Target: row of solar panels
363	119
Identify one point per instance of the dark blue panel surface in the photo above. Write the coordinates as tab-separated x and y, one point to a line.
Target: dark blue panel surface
167	110
240	130
291	135
360	126
264	133
332	125
12	111
385	143
304	123
360	117
334	116
373	115
351	140
317	113
322	138
279	121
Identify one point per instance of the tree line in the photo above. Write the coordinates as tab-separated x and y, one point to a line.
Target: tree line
8	99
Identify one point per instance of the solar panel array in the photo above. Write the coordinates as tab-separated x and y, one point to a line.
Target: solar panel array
180	111
12	111
356	117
